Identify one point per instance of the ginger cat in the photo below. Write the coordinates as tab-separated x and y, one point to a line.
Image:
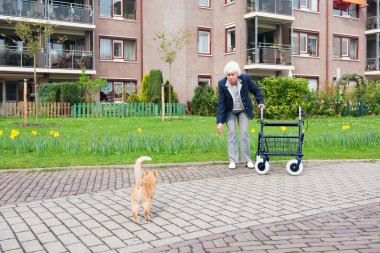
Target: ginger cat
143	191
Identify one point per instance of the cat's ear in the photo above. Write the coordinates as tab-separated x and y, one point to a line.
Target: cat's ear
155	172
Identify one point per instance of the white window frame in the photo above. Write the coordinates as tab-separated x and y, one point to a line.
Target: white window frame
207	32
121	8
205	79
229	47
121	49
204	5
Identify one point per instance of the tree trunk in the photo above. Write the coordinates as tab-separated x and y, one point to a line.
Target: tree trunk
35	86
163	102
170	83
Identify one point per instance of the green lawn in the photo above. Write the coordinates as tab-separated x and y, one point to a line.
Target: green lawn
106	141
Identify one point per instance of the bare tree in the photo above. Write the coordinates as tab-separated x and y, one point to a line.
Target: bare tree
168	48
34	36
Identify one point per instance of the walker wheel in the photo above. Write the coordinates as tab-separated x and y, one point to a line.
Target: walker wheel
293	168
262	168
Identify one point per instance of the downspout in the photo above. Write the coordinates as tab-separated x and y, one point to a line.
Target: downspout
327	42
141	42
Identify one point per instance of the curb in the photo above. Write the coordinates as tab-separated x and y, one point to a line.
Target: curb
167	165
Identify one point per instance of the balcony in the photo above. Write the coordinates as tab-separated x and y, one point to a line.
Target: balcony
16	57
269	56
373	23
279	7
54	11
70	59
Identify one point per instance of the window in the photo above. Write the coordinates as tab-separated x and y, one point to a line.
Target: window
117	49
204	80
345	47
118	91
228	1
130	50
230	40
204	3
204	41
345	9
313	82
311	5
305	43
118	8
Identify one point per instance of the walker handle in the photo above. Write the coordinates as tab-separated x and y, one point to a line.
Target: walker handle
299	112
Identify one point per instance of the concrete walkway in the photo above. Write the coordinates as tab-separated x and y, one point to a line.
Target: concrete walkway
331	206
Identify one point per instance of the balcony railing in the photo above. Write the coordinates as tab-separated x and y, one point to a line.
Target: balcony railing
283	7
59	11
373	22
269	53
70	59
371	64
13	56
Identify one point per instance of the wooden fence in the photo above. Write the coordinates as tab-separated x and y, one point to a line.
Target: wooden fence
50	110
53	110
124	109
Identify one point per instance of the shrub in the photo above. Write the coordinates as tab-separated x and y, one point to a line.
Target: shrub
173	94
49	92
283	94
61	92
71	92
204	101
154	86
144	89
133	98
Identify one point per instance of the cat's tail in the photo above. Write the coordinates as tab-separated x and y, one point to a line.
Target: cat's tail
138	171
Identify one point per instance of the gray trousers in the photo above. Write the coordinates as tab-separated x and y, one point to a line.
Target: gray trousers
243	123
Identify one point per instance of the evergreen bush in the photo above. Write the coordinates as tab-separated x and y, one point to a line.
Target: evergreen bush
204	101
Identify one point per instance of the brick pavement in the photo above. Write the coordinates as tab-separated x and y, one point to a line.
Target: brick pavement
332	206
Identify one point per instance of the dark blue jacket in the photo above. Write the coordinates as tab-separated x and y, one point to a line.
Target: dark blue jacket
225	102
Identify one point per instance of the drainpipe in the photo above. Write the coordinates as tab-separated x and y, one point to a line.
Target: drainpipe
327	41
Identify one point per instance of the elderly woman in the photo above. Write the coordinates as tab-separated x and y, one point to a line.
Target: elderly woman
234	105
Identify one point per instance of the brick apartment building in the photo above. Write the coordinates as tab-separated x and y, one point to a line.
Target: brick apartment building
113	39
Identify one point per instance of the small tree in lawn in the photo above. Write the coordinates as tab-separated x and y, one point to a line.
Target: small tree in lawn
33	36
89	85
169	46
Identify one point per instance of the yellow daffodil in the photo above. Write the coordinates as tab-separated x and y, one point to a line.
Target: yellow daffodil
345	127
15	132
139	130
253	130
55	134
1	132
34	132
12	136
283	128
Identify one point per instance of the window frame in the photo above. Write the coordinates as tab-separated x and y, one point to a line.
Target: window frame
121	49
307	6
348	39
208	31
206	77
112	10
204	6
347	13
226	48
112	92
118	40
226	2
307	34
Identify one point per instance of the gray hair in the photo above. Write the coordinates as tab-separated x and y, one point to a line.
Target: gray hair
232	67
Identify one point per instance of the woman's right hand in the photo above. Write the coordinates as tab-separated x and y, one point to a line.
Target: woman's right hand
219	128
